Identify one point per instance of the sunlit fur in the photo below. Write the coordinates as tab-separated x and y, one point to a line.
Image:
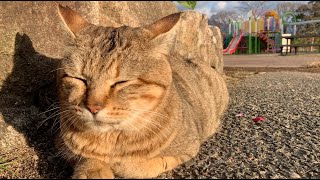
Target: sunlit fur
157	107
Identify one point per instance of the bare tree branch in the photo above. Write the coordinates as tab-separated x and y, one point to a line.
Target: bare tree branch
257	7
283	7
221	19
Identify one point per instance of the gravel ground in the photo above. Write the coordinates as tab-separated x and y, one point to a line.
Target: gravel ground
284	145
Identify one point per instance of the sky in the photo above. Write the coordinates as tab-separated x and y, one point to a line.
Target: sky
211	7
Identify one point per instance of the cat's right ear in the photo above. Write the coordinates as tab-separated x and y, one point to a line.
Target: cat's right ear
73	21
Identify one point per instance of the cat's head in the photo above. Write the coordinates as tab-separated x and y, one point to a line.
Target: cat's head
111	77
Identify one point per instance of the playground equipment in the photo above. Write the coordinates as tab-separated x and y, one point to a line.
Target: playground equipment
234	27
233	44
267	34
257	35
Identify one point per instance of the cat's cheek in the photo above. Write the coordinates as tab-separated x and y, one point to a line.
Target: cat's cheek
145	102
147	98
72	90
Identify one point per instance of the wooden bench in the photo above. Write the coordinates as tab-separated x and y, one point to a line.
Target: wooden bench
295	46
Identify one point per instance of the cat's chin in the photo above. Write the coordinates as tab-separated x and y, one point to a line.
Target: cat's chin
102	124
101	127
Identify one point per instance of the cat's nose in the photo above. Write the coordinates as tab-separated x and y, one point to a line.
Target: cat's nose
94	109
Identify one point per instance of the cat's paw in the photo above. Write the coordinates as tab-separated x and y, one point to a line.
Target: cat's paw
99	173
92	169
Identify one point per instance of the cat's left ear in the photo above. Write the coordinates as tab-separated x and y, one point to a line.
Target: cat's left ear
73	21
163	25
160	40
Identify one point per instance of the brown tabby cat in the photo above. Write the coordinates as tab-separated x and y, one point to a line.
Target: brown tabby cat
129	106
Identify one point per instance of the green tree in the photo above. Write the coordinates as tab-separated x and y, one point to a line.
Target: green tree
188	4
308	12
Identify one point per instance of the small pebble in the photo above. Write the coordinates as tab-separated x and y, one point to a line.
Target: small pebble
294	175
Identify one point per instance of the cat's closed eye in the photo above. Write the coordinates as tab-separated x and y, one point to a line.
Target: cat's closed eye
75	77
118	83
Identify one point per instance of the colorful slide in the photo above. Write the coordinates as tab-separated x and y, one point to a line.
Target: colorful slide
233	36
232	47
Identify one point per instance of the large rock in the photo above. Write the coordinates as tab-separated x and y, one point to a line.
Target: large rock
40	21
134	13
196	40
217	61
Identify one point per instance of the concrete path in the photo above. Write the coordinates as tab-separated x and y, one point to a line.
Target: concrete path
272	60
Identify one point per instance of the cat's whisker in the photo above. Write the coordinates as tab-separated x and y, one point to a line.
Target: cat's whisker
55	70
156	114
153	112
57	120
158	126
67	121
66	118
65	115
147	128
54	108
63	152
132	126
71	121
51	116
152	123
65	125
79	159
45	120
42	123
48	109
62	155
58	113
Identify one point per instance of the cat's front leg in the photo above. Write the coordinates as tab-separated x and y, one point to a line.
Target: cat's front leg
92	169
150	168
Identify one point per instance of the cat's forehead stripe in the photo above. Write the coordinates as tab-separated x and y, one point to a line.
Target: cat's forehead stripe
113	70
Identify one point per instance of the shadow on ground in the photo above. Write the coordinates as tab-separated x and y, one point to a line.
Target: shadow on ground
26	92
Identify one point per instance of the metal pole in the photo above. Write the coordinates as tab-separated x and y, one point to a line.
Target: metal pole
303	22
268	21
259	46
256	37
273	24
250	45
281	26
237	32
